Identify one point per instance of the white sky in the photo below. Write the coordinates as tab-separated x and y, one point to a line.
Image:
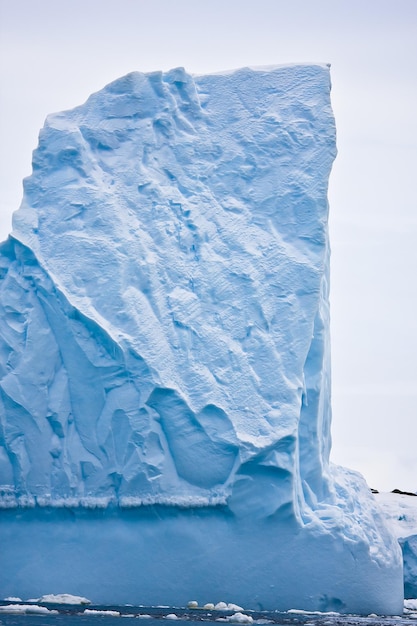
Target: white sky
54	53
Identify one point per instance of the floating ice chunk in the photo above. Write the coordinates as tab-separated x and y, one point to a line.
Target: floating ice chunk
12	599
101	612
209	606
192	604
171	616
234	607
39	609
410	604
13	608
224	606
25	608
303	612
63	598
240	618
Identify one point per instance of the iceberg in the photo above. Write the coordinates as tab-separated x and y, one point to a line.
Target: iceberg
400	511
62	598
165	355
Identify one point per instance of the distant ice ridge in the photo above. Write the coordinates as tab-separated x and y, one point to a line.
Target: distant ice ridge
62	598
400	511
165	362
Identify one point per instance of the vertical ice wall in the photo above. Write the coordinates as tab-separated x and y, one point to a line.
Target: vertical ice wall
164	329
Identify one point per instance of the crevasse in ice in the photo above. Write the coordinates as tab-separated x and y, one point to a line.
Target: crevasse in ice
165	372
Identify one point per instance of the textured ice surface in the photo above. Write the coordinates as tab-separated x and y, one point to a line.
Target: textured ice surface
401	513
164	332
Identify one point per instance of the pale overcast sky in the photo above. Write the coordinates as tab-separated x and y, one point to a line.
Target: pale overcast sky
54	53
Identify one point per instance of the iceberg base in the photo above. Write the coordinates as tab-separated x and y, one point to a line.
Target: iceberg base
167	555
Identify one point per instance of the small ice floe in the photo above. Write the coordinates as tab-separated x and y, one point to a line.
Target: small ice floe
241	618
224	606
63	598
144	616
410	605
410	608
237	618
171	616
303	612
100	612
26	609
13	599
220	606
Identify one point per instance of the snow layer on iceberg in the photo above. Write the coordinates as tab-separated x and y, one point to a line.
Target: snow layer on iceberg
164	328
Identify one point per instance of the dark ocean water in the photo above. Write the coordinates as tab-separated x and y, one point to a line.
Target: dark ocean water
156	616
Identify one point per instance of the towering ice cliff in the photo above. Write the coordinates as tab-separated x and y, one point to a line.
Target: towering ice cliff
164	342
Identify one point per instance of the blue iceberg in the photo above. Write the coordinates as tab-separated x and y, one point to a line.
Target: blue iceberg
165	355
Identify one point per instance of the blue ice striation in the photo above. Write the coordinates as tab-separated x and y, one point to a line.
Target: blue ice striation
165	355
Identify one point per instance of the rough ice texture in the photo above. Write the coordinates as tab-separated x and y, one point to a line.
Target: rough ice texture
400	511
164	328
